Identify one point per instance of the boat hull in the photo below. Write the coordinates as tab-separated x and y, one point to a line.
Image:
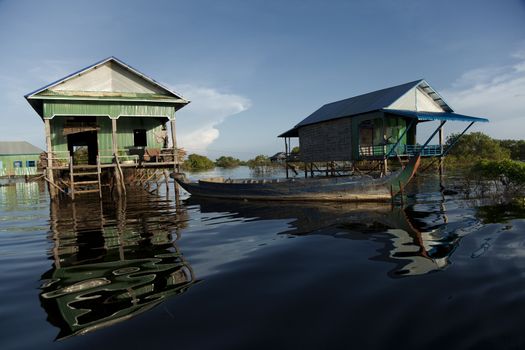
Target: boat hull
330	189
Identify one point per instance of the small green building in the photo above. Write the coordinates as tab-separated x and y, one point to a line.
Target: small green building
18	158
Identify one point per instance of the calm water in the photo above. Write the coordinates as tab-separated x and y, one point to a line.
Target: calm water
442	272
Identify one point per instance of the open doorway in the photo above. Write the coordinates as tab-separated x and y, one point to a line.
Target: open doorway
83	147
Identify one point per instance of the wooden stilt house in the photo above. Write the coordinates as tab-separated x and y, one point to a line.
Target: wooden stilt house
106	116
373	127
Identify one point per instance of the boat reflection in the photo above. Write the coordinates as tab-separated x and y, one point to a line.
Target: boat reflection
112	263
416	238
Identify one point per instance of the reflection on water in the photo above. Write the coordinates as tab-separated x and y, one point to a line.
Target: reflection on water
415	238
18	193
105	262
112	261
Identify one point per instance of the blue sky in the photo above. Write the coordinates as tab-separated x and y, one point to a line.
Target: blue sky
253	69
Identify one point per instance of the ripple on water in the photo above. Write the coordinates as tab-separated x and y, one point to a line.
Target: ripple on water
440	272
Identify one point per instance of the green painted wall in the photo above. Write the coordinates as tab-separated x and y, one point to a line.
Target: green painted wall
107	108
7	164
132	116
394	128
125	139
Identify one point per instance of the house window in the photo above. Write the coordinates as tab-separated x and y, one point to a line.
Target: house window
17	164
30	164
139	138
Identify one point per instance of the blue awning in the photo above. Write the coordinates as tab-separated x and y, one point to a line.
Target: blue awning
420	115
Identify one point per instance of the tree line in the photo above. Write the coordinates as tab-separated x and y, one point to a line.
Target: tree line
478	146
490	163
197	162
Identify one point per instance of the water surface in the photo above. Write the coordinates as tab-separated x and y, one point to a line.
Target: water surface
438	272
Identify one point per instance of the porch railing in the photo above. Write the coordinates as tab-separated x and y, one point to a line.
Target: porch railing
58	159
406	150
428	151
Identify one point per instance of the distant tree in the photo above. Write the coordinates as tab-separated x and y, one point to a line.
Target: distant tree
260	160
198	162
295	150
262	166
227	162
474	147
515	147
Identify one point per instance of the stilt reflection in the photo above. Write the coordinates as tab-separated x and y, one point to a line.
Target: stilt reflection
112	261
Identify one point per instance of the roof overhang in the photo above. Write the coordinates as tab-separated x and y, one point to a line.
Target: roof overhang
427	116
294	132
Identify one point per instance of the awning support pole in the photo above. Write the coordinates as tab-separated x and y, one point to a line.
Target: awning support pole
432	136
456	139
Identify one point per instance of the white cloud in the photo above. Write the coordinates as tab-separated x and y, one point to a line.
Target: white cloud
496	92
197	122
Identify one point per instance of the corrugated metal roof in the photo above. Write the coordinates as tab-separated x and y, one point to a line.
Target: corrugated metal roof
369	102
18	147
422	116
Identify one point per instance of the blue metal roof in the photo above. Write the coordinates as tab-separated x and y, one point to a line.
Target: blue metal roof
369	102
422	116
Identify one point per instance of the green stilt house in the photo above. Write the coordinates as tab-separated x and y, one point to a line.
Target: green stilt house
107	115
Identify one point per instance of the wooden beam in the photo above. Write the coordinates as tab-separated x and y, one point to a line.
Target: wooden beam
175	160
114	136
174	142
49	167
286	156
71	179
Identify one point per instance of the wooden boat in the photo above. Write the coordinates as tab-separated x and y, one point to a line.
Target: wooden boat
354	188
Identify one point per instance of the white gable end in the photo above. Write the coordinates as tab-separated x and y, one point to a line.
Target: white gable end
416	100
109	77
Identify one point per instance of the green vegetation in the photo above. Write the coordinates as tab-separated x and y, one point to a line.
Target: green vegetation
507	173
197	162
259	161
227	162
80	155
515	147
262	166
295	150
474	147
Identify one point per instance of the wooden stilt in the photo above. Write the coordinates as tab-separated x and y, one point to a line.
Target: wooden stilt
71	179
286	156
175	155
99	171
122	184
305	170
49	166
166	180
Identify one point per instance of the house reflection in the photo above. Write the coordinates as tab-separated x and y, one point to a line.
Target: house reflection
416	239
112	261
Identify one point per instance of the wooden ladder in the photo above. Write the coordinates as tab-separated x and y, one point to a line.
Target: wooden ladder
94	186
